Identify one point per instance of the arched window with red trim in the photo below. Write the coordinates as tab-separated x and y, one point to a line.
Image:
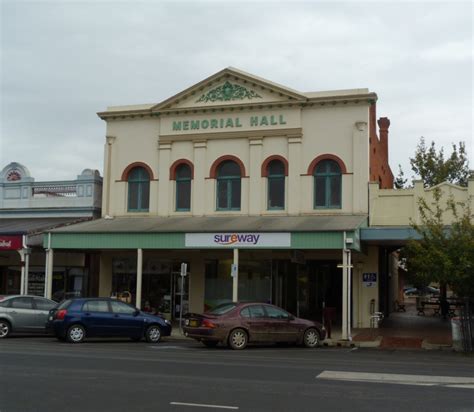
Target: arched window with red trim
138	190
228	186
327	185
275	185
183	187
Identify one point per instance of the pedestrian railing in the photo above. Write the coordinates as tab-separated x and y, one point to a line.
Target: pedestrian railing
466	319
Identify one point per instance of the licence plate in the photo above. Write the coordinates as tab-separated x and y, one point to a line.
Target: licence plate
193	323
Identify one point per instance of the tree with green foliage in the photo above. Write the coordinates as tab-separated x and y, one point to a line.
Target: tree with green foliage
443	253
400	181
431	166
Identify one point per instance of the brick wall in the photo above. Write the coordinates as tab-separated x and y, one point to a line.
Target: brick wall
379	168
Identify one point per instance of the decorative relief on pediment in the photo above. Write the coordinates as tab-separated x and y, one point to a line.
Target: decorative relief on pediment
227	92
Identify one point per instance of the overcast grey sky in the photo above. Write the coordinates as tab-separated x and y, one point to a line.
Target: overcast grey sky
63	61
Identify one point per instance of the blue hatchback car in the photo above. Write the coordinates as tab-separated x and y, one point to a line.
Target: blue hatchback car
75	319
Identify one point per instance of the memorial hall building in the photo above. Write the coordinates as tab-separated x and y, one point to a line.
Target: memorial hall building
261	190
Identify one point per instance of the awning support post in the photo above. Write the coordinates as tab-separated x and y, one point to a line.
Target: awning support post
235	276
346	290
138	299
49	273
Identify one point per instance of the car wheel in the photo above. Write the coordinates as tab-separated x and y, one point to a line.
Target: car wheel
5	328
153	334
311	338
238	339
210	343
76	334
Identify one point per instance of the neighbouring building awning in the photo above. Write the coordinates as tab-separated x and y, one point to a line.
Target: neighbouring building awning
34	227
388	236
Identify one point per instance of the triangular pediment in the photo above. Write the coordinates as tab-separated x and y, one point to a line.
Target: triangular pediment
230	87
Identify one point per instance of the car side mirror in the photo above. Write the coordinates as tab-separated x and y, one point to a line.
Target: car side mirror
137	312
291	317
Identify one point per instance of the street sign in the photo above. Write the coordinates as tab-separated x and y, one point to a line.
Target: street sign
234	270
184	269
369	279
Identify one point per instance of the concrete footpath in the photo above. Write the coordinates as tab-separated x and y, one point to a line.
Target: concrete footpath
401	330
381	338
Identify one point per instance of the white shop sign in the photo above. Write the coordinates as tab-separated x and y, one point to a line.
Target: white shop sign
236	240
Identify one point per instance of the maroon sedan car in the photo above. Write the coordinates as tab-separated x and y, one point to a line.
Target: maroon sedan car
238	324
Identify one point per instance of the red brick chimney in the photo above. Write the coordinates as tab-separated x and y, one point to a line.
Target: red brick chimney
384	124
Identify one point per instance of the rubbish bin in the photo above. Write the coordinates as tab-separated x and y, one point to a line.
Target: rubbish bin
456	334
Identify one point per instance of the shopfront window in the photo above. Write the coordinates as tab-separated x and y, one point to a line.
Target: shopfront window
161	285
228	186
254	282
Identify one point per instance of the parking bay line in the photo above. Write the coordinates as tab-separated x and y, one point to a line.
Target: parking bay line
399	379
202	405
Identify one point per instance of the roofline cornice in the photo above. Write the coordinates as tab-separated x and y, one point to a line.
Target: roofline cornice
154	112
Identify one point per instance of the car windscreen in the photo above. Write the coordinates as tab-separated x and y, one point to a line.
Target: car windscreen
222	309
64	304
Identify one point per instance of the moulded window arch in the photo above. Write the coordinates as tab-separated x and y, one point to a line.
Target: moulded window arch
327	185
183	187
275	185
138	190
228	186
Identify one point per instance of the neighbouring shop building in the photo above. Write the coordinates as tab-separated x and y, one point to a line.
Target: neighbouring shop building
237	175
28	209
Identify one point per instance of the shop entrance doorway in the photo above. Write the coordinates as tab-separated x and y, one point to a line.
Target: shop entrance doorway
161	285
306	289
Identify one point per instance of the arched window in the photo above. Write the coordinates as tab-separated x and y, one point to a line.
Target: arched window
228	186
183	188
327	185
276	185
138	190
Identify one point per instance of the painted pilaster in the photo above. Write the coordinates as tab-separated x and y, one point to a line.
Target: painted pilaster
164	155
107	181
294	172
255	179
360	167
198	185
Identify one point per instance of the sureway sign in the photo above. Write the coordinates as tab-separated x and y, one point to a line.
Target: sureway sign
238	240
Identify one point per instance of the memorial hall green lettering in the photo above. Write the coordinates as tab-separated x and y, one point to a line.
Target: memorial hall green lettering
228	122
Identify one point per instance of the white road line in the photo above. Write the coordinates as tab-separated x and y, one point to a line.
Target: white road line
168	347
399	379
202	405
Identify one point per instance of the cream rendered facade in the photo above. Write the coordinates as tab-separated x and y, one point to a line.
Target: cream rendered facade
339	130
237	116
